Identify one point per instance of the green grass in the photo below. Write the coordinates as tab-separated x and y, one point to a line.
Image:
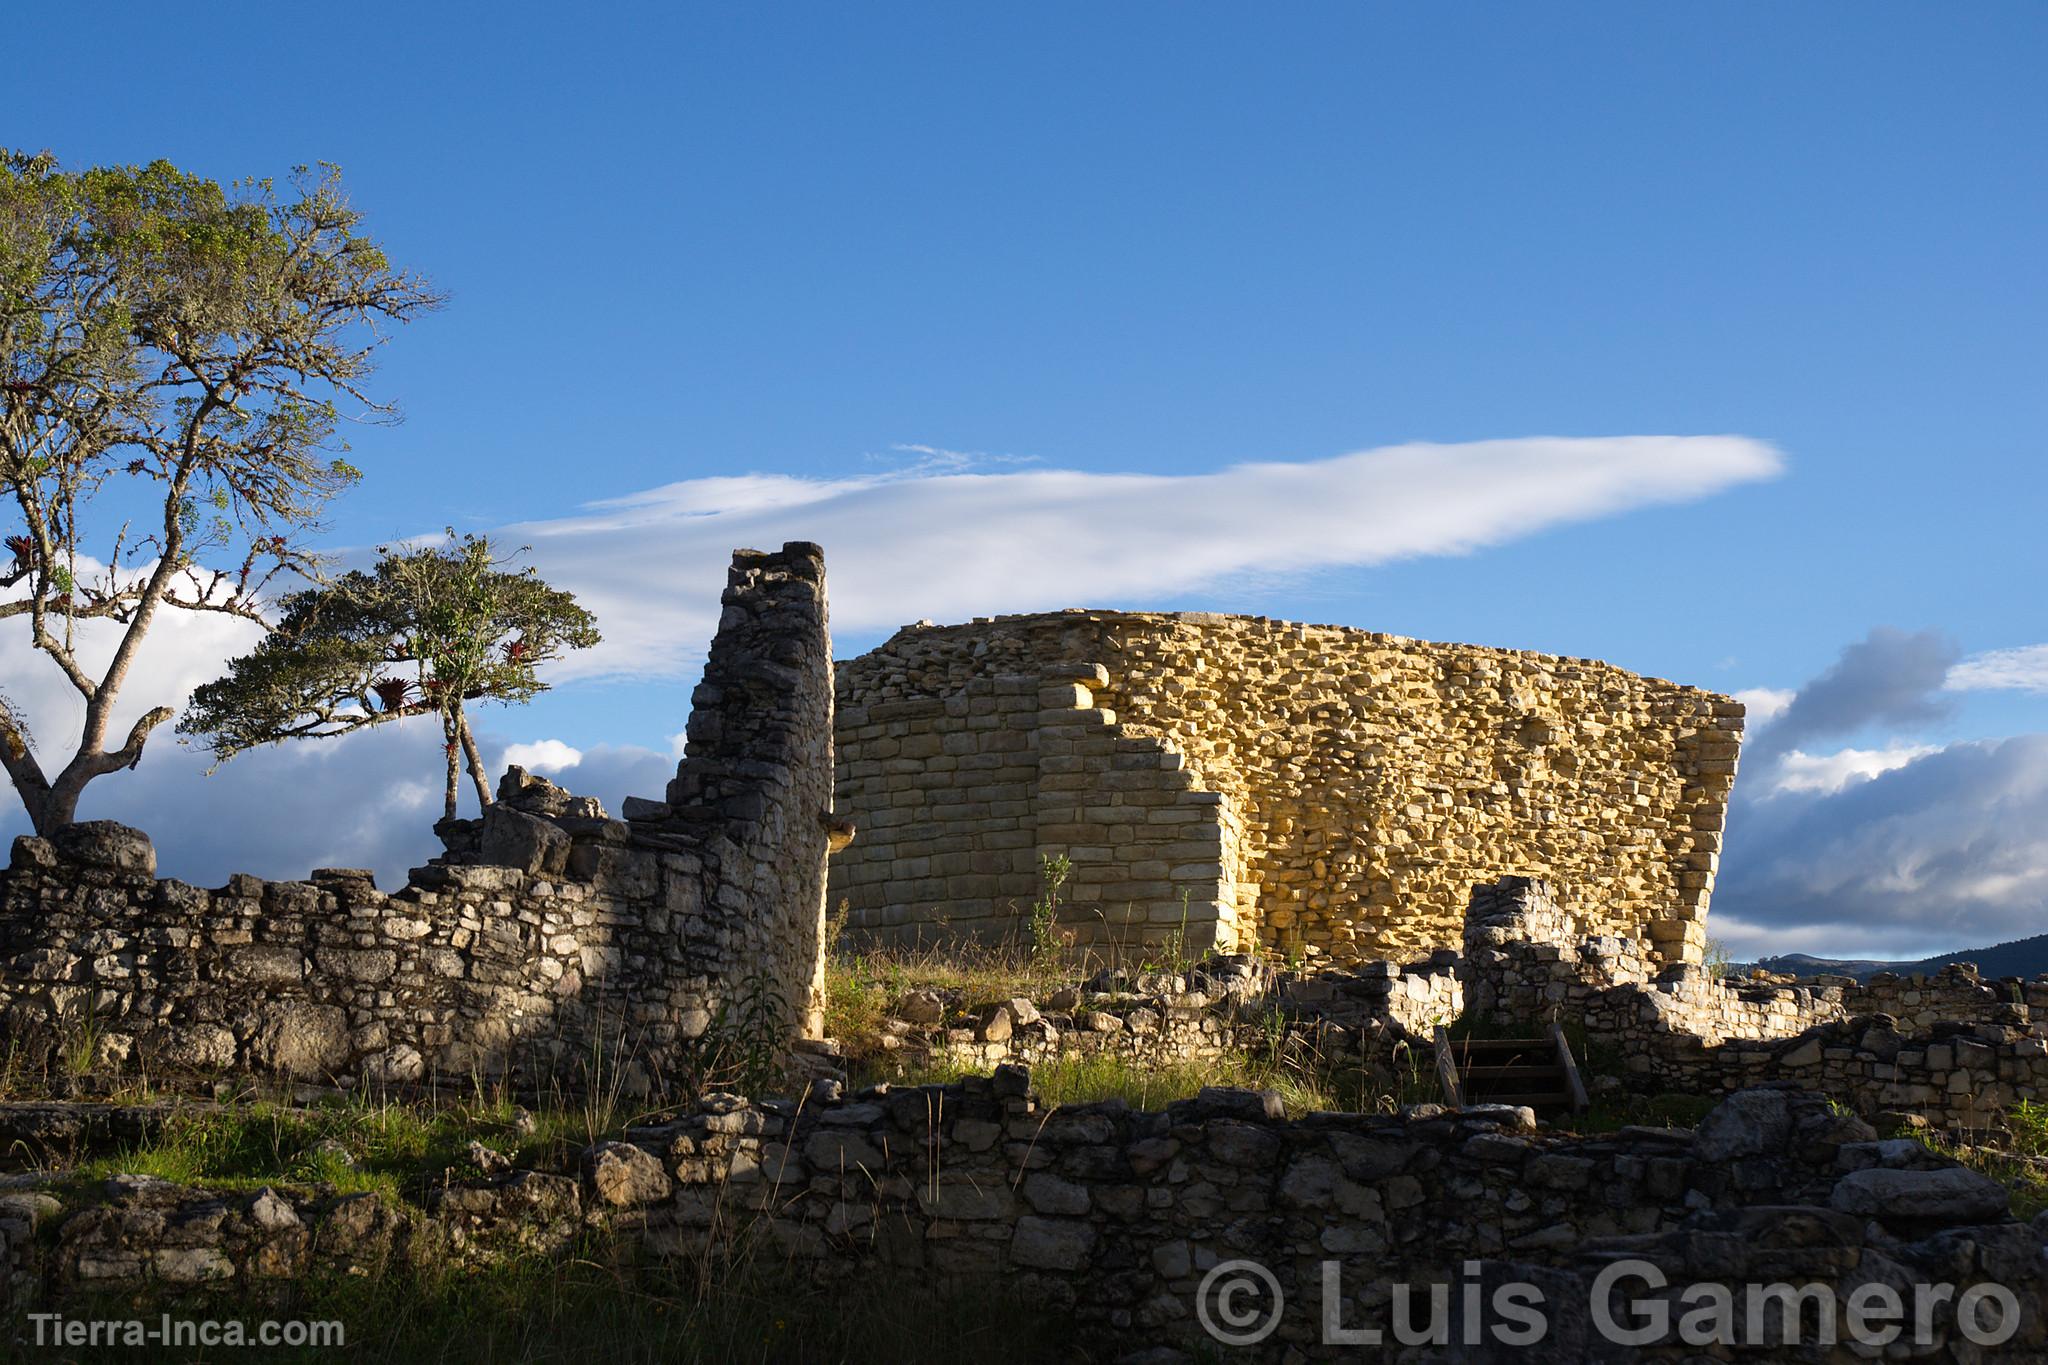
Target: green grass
1305	1083
591	1306
354	1145
862	987
1667	1110
2018	1161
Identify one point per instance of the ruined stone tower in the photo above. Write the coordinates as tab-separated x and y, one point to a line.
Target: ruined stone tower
1238	781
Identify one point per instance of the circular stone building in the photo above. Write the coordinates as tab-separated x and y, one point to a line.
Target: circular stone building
1239	781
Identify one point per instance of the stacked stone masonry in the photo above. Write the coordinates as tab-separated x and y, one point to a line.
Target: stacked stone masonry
549	935
1114	1219
1948	1049
1242	782
1219	1006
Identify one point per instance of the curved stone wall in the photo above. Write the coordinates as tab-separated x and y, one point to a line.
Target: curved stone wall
1315	789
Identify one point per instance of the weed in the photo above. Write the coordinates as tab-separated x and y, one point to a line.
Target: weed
743	1047
1053	871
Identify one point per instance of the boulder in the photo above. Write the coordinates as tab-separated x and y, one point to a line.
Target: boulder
397	1065
302	1040
622	1175
512	838
1747	1123
108	844
1950	1195
1052	1243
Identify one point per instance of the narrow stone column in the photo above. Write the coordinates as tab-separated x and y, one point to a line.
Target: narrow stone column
755	782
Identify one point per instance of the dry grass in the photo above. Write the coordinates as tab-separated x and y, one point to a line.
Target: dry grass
2017	1158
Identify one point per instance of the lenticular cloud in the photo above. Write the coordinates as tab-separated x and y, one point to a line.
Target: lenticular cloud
941	543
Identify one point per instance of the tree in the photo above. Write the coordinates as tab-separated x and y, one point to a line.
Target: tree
468	629
174	360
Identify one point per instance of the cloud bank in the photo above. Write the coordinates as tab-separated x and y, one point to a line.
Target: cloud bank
1897	851
935	539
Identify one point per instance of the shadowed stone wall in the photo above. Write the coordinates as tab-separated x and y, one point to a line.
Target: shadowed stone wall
551	943
1119	1222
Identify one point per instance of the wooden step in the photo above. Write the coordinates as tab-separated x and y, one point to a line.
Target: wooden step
1521	1071
1501	1044
1537	1072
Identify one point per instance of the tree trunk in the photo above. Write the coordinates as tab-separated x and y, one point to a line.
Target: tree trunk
46	813
476	761
454	785
51	805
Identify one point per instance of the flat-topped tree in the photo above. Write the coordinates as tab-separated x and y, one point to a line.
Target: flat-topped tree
453	616
175	359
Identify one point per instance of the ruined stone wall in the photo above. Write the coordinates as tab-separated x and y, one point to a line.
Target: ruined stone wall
1950	1048
1529	959
754	790
1114	1220
1153	1017
1308	788
551	941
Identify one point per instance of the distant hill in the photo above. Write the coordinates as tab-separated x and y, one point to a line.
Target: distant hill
2027	957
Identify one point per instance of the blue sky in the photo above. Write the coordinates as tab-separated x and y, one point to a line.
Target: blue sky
691	242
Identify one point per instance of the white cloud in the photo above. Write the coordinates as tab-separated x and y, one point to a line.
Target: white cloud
1798	771
2024	669
1888	852
182	650
934	542
542	756
1746	941
1765	704
609	772
927	540
1948	851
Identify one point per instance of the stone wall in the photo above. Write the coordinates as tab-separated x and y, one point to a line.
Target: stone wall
1115	1219
549	940
1312	789
1947	1048
1221	1005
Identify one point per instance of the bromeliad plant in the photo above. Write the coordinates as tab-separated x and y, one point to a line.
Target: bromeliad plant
453	616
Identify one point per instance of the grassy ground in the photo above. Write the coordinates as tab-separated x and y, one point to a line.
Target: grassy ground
540	1311
863	987
1306	1084
2017	1159
1668	1110
396	1147
402	1148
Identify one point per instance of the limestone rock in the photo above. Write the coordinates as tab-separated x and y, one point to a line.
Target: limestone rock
622	1175
302	1040
1953	1194
1052	1243
1747	1123
512	838
107	844
400	1064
